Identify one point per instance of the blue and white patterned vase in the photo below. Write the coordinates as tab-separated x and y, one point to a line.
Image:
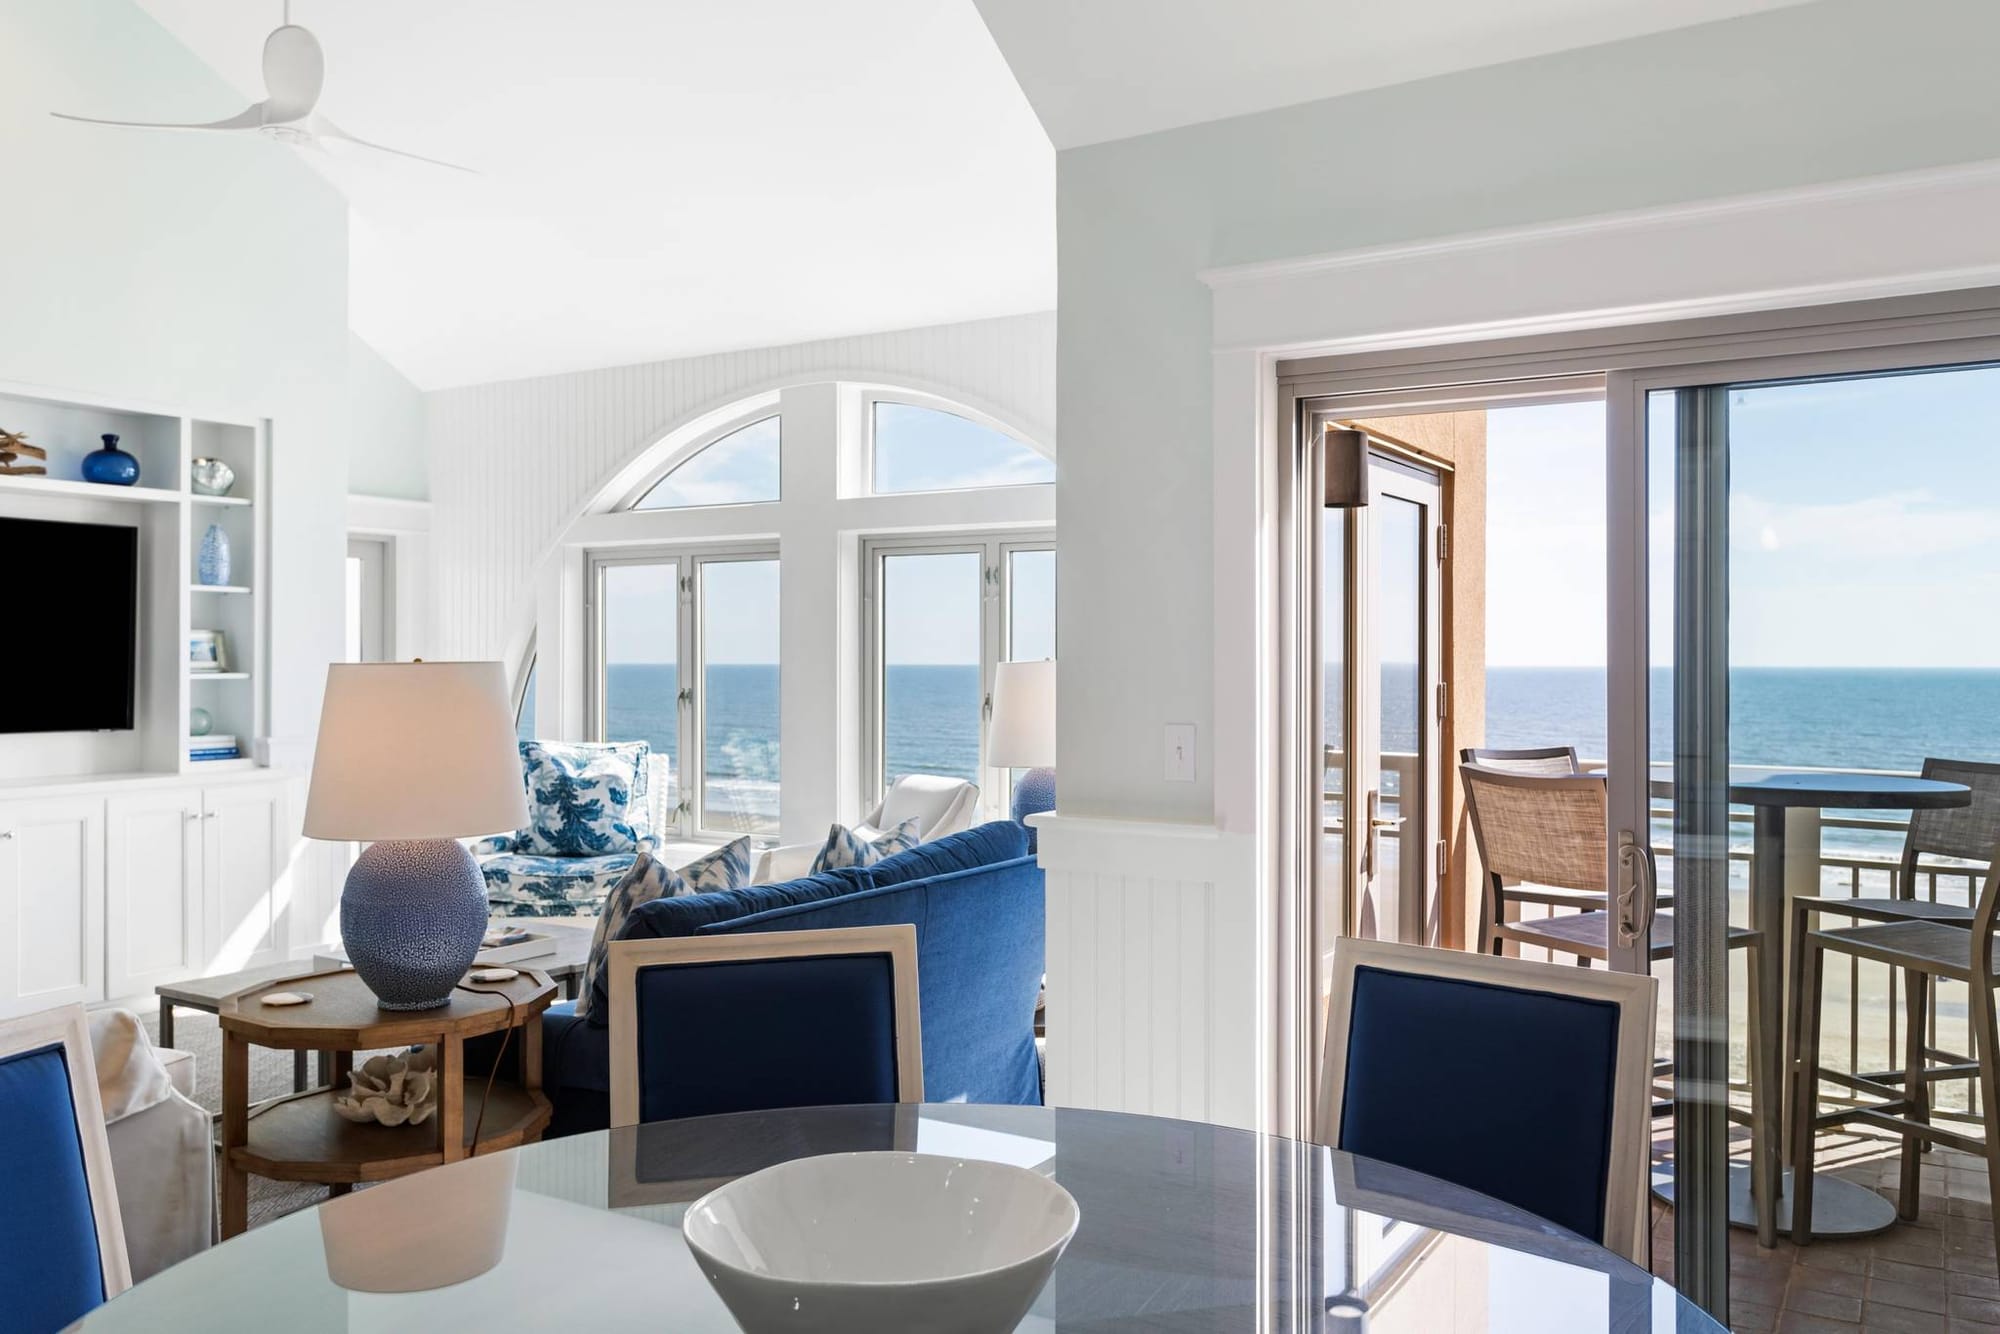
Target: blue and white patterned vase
110	465
212	565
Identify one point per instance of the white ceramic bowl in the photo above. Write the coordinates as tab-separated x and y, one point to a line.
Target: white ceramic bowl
856	1242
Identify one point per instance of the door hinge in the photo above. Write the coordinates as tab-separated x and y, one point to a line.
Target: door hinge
1444	700
1443	860
1444	542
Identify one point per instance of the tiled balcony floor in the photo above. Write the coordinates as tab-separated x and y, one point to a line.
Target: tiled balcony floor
1936	1275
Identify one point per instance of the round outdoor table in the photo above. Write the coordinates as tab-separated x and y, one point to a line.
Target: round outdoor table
1173	1216
1840	1207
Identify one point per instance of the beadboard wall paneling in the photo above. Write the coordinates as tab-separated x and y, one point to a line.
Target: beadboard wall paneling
1153	973
511	464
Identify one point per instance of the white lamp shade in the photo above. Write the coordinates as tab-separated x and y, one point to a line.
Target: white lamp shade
415	750
1022	734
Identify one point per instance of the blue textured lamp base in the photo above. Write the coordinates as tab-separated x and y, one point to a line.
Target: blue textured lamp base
1034	792
412	917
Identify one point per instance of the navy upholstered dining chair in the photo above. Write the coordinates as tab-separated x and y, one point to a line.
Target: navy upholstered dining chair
1526	1081
63	1245
705	1025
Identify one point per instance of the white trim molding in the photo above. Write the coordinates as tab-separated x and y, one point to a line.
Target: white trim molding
1883	236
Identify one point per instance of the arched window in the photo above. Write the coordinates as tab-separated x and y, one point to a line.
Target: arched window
740	468
917	448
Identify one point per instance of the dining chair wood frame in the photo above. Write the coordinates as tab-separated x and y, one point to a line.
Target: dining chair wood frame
1926	952
627	958
1626	1229
69	1028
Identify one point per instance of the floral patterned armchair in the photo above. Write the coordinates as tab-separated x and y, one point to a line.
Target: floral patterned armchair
591	807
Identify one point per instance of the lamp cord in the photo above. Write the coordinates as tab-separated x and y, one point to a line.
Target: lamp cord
472	1150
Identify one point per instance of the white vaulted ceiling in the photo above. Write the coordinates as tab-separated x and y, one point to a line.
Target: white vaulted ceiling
659	177
1109	69
662	178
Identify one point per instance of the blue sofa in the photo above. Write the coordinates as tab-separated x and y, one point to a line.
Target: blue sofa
976	900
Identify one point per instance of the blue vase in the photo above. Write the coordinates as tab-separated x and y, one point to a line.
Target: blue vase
412	916
212	566
110	465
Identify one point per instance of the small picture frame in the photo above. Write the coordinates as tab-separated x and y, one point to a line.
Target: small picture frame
208	651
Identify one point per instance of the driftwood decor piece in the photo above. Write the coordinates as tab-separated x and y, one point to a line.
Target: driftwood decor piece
14	445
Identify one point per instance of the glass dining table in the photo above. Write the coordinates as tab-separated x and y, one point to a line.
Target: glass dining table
1184	1227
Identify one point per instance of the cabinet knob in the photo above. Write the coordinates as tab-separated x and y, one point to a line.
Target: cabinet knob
193	816
6	834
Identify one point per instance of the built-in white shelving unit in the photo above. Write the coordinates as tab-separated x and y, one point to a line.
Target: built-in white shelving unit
124	863
171	520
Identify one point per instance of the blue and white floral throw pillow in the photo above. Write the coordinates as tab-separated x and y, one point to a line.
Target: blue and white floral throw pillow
584	799
728	867
844	847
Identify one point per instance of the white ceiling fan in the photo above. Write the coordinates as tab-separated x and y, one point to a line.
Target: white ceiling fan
294	73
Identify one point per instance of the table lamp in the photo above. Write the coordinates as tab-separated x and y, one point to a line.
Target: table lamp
412	757
1022	734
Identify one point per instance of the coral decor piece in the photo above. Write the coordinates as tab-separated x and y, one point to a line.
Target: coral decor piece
14	445
394	1090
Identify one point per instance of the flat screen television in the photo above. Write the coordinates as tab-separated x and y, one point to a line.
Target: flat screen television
71	611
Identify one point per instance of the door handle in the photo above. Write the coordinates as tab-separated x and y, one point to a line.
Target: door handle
1377	822
1638	888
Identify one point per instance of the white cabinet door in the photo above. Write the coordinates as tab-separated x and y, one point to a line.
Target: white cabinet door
243	863
153	920
51	903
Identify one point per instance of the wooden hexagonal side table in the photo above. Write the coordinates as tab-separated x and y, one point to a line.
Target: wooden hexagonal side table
302	1138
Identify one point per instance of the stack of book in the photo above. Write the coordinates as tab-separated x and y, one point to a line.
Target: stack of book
214	748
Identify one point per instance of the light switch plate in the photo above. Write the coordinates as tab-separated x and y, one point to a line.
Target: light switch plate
1180	752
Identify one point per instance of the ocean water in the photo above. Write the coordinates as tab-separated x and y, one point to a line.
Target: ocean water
931	717
1876	718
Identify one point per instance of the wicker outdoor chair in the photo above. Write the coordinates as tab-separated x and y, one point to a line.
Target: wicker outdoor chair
1926	952
1968	833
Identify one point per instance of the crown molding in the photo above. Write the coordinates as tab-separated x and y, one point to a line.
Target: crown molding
1881	236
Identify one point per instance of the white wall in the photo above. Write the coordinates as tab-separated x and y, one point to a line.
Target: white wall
387	455
513	464
202	272
1159	607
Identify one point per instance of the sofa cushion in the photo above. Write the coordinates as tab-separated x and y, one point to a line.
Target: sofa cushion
728	867
980	934
846	847
669	918
520	885
983	845
584	799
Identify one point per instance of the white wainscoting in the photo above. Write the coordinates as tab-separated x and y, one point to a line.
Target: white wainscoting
1155	974
512	464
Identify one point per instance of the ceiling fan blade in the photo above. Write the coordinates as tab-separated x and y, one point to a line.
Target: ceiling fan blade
294	74
250	118
322	128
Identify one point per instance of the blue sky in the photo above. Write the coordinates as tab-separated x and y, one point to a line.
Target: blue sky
1864	516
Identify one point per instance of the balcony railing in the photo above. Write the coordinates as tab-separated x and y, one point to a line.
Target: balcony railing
1832	854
